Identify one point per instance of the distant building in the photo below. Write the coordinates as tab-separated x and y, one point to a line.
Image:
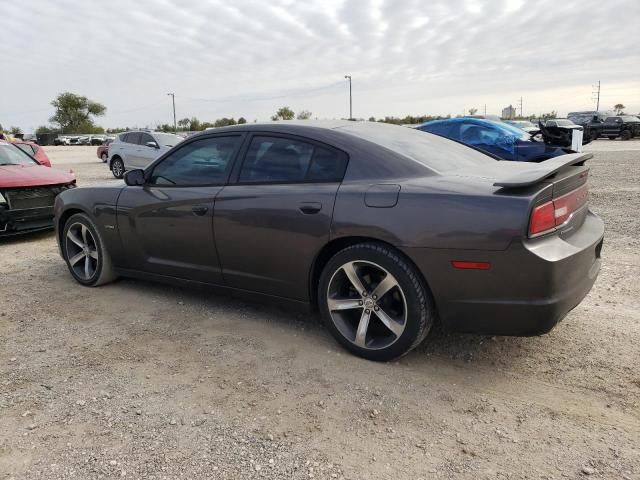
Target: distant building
508	113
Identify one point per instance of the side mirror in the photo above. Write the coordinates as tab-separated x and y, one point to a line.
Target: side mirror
134	178
152	145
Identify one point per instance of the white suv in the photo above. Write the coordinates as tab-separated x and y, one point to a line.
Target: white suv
132	150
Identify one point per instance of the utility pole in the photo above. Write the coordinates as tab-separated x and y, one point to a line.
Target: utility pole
485	109
348	77
596	92
173	100
521	106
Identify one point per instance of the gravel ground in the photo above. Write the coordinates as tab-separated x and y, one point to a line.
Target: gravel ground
140	380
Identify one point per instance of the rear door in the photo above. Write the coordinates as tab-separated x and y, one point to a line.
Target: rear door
145	155
166	225
271	223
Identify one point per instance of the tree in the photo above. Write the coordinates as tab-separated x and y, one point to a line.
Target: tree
15	130
372	119
473	111
242	120
195	125
284	113
619	108
74	113
184	123
45	129
549	116
304	115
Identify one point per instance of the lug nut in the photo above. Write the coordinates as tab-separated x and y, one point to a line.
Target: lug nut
360	302
364	294
375	297
376	308
367	311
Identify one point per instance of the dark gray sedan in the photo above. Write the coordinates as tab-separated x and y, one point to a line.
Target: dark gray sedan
385	229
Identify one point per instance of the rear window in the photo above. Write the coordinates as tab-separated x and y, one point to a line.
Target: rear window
435	152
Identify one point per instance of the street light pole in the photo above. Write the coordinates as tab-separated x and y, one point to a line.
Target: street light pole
350	98
173	100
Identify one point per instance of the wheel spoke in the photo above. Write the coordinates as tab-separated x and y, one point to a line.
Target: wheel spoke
350	270
344	304
76	258
72	236
93	254
87	266
389	322
384	286
84	234
363	326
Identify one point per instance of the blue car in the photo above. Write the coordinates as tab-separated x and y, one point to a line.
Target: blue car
495	138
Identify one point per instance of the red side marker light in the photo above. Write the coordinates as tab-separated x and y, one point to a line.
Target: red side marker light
471	265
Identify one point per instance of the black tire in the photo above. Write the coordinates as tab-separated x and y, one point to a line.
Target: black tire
117	167
100	270
104	157
419	308
594	136
625	135
612	137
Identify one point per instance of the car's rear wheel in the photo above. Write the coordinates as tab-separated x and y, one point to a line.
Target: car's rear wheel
374	302
625	135
612	137
117	167
104	157
594	136
85	252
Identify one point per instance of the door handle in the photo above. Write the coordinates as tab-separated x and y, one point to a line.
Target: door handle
309	208
200	209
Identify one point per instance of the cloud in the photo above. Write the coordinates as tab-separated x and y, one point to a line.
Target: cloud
248	57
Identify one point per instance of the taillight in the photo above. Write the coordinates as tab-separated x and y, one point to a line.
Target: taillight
546	217
542	219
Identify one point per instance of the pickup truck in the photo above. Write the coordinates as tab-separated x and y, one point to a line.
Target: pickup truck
623	126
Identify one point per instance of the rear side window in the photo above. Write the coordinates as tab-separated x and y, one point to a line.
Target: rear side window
285	160
133	137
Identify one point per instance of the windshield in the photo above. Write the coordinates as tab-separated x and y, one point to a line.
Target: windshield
521	123
564	123
433	151
167	139
12	155
630	118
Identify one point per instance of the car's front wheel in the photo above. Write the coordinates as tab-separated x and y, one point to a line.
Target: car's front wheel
85	252
374	302
117	167
104	157
625	135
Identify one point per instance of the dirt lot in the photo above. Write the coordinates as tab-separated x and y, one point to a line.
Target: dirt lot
139	380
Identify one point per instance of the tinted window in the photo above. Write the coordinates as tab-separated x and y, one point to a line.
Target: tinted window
133	137
145	137
327	165
437	153
272	159
202	162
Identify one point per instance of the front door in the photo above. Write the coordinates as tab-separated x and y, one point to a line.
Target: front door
166	226
272	222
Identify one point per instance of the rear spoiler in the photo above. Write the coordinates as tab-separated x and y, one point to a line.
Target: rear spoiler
542	170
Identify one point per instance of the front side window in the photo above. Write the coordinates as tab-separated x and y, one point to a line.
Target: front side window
284	160
202	162
146	138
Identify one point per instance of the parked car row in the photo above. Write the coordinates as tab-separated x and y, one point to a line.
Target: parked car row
81	139
605	124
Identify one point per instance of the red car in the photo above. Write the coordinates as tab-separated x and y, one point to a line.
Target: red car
35	150
103	150
27	191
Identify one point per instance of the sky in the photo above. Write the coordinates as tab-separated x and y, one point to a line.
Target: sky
232	58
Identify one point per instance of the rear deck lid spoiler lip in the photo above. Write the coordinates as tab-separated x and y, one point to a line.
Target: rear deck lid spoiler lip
542	170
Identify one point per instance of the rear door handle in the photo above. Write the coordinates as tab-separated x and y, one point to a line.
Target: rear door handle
309	208
200	209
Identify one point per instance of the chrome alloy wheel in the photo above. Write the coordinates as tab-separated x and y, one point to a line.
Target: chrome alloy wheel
117	167
367	305
82	251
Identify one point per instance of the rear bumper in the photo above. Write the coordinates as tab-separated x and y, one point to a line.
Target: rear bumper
15	222
529	288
